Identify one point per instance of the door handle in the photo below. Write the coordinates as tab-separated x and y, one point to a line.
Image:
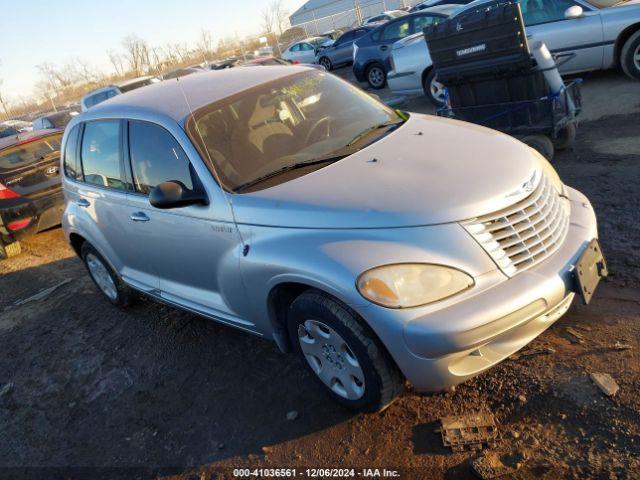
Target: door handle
83	202
139	217
384	48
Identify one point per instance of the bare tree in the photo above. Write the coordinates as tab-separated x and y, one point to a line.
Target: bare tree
280	15
205	45
266	15
137	54
117	61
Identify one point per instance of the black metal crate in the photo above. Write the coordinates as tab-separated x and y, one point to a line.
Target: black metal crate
546	115
485	42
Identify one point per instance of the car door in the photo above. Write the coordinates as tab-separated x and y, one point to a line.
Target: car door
186	247
578	42
307	53
342	50
99	192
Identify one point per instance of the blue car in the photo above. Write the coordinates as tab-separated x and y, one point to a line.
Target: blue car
372	51
340	52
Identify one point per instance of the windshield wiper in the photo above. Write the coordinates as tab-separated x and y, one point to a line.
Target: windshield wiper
369	130
288	168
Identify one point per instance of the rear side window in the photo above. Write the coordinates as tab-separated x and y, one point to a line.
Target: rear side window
71	164
100	154
29	152
156	157
397	30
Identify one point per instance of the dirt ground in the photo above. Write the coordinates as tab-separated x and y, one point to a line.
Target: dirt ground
90	391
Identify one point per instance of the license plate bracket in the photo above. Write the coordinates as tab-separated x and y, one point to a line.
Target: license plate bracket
590	269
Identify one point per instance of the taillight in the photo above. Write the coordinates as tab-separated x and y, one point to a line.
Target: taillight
19	224
6	193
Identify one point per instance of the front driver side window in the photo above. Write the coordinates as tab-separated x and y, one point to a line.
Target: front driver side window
156	157
397	30
535	12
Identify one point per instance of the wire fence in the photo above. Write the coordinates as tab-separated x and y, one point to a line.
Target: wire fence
320	22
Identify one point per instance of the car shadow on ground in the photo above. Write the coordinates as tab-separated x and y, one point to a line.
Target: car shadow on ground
150	386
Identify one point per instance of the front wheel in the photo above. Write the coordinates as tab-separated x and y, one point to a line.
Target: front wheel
630	56
376	76
343	355
326	63
433	89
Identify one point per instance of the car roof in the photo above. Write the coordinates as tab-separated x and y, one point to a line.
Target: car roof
168	98
131	81
446	9
7	142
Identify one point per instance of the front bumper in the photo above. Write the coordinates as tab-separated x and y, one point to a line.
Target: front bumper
438	347
44	212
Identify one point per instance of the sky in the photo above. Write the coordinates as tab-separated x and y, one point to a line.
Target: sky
35	31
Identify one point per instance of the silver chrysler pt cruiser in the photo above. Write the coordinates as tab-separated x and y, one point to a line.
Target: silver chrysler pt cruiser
378	245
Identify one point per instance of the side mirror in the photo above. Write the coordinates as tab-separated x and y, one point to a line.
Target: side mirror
573	12
175	195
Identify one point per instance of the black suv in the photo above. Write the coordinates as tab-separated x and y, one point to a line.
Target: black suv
31	196
372	52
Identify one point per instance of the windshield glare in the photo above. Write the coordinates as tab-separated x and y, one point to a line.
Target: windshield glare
298	118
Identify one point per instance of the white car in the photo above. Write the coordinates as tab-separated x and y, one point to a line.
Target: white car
590	36
384	17
305	50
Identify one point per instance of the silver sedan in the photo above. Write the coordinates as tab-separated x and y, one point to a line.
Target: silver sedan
594	35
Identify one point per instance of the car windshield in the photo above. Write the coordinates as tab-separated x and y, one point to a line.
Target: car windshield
32	151
6	131
301	119
60	120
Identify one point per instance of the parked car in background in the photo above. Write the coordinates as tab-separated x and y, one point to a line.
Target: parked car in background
54	120
333	34
262	209
31	198
264	51
340	52
384	17
274	61
434	3
223	64
180	72
305	50
8	131
371	52
20	125
583	36
101	94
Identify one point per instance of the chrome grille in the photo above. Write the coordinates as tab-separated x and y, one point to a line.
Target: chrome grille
524	234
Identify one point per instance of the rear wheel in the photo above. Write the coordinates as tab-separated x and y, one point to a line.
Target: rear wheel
433	89
376	76
630	56
326	63
10	250
541	143
105	278
565	138
343	355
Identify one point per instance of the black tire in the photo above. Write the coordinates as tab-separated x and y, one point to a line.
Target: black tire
376	76
426	86
541	143
565	137
630	56
326	63
382	379
9	250
124	295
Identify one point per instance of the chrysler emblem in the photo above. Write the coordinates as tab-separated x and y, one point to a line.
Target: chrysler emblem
529	184
51	171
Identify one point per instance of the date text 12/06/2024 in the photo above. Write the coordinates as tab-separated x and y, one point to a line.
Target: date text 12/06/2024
316	473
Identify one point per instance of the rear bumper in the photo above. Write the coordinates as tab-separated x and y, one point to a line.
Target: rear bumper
447	346
42	212
358	72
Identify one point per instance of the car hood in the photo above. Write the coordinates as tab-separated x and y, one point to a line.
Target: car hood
430	170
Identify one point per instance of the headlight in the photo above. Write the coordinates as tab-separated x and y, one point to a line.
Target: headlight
411	284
